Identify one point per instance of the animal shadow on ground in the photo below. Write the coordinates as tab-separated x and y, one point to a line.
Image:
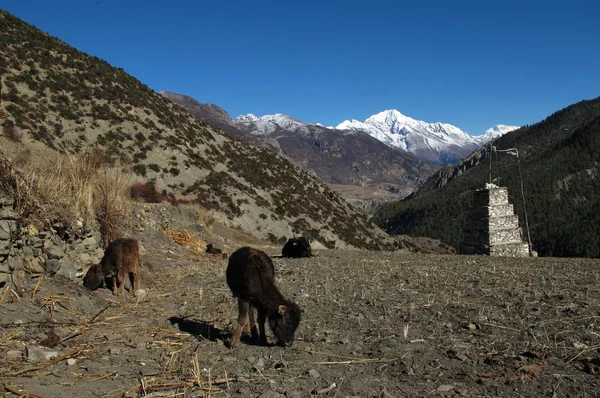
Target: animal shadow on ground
208	331
199	329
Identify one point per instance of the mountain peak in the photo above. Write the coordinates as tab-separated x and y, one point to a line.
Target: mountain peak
494	132
247	118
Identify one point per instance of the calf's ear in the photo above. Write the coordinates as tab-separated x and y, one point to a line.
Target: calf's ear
281	310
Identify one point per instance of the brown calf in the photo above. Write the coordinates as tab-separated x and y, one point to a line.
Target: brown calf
121	257
251	278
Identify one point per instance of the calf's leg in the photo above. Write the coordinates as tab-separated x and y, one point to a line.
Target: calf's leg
134	281
114	285
252	324
242	322
121	281
262	317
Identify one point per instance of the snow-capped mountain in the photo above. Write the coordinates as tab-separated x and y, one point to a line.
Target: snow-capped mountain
440	142
267	124
494	132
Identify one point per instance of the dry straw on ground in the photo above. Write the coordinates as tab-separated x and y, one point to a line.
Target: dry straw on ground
184	238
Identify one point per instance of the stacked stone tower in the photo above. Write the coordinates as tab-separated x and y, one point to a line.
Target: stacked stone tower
492	227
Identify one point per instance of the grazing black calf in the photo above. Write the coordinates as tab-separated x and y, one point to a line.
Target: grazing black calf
251	278
297	248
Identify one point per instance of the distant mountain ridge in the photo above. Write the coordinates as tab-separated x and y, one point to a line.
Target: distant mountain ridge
339	158
437	142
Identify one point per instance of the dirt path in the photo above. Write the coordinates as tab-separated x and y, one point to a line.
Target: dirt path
375	325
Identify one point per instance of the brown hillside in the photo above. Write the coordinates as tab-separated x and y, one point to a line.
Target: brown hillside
69	101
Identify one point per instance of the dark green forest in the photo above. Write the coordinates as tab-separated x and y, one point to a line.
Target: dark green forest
560	167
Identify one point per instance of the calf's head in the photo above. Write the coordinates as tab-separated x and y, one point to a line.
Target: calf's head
94	277
284	323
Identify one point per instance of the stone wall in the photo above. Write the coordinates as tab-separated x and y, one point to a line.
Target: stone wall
24	248
492	227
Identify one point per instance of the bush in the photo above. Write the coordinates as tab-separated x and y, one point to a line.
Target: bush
145	192
11	132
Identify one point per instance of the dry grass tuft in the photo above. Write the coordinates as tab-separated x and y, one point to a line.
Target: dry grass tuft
64	186
184	238
203	214
112	207
58	188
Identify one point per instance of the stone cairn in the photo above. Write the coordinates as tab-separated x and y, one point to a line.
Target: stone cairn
492	227
23	248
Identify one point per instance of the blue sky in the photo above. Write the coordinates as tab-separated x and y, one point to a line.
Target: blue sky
473	64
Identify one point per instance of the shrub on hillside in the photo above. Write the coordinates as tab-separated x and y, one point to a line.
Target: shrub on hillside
146	192
10	131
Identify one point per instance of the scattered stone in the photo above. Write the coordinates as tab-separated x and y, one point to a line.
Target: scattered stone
4	234
326	389
314	374
114	351
270	394
15	262
445	388
260	363
89	242
33	265
39	354
251	359
55	252
13	354
245	391
7	213
67	269
28	251
71	361
293	394
385	394
147	371
52	266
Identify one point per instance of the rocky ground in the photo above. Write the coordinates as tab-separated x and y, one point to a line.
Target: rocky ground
375	324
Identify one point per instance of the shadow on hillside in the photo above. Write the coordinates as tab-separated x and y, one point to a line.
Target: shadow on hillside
199	329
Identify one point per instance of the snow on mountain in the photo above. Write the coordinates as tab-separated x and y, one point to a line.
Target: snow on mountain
438	142
267	124
441	142
494	132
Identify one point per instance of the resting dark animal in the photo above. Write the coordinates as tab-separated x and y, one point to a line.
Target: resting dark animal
297	248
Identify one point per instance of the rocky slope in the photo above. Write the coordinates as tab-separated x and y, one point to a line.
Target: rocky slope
63	99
